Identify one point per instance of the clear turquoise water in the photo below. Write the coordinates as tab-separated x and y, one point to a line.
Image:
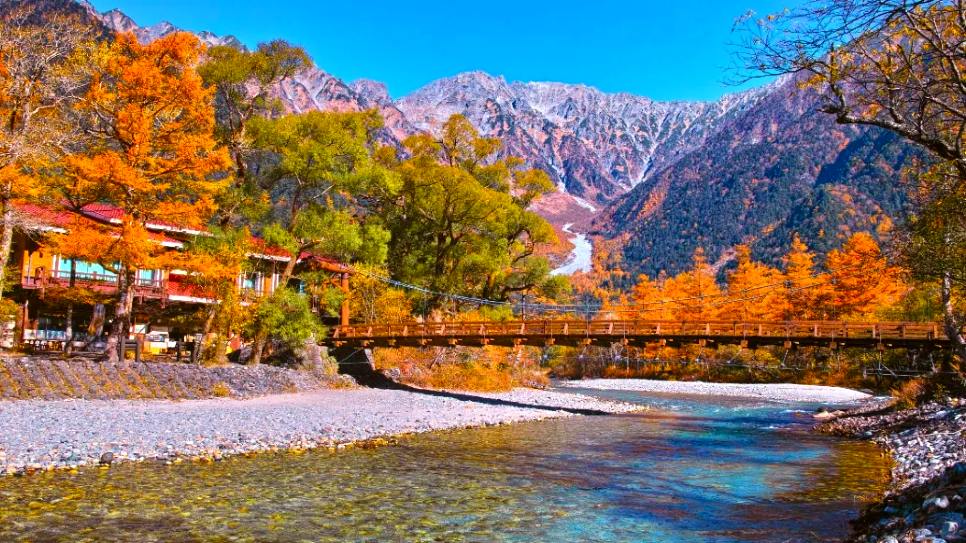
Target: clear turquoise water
688	470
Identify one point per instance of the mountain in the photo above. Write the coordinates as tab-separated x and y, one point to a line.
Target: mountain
779	168
658	179
595	145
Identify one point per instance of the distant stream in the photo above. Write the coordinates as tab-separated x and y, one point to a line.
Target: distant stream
580	258
689	470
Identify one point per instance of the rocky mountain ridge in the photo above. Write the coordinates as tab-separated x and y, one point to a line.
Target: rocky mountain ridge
596	145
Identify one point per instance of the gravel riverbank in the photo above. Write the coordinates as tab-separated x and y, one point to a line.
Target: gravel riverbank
774	392
42	434
927	502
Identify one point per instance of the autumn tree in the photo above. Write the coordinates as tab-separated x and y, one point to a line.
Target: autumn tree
649	299
460	221
933	244
214	263
896	65
861	279
149	152
754	290
36	80
374	301
805	291
694	295
318	167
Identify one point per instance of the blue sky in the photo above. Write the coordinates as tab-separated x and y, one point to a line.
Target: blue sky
665	50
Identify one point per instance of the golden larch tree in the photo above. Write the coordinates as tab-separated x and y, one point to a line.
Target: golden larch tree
861	279
694	294
754	290
806	291
149	153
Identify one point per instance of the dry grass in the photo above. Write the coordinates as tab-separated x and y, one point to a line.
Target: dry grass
220	390
491	369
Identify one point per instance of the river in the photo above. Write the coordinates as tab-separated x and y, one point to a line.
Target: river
580	258
689	469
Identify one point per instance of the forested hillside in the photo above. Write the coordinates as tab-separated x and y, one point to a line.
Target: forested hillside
778	169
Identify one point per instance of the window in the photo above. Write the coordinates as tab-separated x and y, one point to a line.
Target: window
149	277
252	281
83	270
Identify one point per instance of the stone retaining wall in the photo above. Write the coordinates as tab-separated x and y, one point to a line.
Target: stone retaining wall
25	378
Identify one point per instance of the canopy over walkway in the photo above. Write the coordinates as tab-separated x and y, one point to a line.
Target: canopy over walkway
541	333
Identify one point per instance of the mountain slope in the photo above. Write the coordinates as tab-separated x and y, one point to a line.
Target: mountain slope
777	169
595	145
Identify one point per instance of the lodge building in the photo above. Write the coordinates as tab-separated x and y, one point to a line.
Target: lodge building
164	299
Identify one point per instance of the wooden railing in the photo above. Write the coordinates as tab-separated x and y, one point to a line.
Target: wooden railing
102	281
583	332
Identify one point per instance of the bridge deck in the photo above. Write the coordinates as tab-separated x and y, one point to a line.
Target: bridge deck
883	335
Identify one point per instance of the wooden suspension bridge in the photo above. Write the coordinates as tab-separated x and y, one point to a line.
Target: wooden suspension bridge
543	333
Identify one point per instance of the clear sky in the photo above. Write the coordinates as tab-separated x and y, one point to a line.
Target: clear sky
665	50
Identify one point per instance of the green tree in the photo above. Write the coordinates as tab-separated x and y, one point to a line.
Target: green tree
318	167
287	317
460	221
244	83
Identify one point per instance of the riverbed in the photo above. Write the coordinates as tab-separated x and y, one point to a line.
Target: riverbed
687	469
580	258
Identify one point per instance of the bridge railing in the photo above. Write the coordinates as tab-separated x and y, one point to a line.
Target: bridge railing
830	330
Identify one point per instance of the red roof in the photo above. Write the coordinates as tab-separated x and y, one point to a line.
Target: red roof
175	286
105	213
45	216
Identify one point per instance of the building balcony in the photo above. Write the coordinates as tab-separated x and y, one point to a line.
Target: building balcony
101	282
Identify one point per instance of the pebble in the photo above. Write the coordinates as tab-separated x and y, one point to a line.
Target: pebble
105	432
768	391
928	448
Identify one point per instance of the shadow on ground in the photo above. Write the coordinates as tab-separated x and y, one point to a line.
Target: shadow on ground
366	375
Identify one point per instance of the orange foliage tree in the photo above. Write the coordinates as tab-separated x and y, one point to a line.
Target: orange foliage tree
861	279
649	299
36	79
150	153
859	283
754	290
694	293
806	292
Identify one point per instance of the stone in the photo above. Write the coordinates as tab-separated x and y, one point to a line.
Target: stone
106	459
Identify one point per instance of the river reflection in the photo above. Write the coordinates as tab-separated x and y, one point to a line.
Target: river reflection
688	470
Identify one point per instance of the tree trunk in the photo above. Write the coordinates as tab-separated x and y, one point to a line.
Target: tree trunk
206	330
261	337
121	325
6	242
951	321
69	332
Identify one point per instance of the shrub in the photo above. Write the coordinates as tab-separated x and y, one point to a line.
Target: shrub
489	369
220	390
287	317
909	393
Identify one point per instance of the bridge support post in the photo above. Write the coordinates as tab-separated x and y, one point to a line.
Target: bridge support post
344	308
359	364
